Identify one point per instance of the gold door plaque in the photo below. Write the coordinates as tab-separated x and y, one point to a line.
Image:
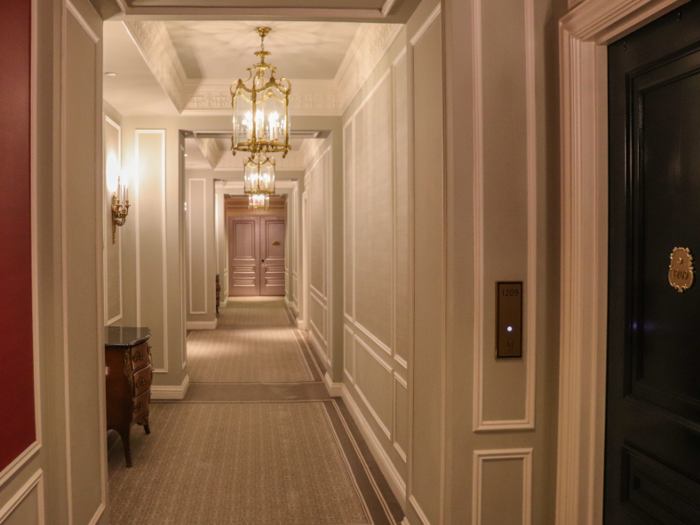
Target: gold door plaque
681	273
276	243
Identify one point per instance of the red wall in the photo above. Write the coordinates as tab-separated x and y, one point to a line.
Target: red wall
17	430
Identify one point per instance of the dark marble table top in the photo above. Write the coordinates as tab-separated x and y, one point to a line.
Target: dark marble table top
126	335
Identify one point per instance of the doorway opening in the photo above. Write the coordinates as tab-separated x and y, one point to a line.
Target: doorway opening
256	248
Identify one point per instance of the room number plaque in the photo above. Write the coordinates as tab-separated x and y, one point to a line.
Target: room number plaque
681	273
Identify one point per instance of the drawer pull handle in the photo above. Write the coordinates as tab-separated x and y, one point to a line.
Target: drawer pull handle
142	381
138	407
138	356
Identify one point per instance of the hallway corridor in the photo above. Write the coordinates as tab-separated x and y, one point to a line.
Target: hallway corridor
256	441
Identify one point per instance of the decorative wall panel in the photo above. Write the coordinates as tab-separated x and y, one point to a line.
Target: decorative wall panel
113	250
376	258
349	218
151	264
197	245
17	431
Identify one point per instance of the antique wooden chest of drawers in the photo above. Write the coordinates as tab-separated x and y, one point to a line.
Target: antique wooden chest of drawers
129	376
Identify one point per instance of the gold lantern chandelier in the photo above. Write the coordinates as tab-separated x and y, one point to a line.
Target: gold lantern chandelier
259	202
261	111
259	177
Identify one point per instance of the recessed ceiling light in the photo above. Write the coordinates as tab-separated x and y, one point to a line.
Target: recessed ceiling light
185	154
110	74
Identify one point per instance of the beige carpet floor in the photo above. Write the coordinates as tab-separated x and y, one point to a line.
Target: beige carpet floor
254	312
265	355
256	441
238	464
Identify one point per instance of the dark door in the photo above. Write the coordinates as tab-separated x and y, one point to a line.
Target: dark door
652	461
272	232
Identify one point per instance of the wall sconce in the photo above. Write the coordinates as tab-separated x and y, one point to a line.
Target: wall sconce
118	186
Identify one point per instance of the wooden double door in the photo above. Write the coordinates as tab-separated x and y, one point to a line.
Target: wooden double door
652	457
256	256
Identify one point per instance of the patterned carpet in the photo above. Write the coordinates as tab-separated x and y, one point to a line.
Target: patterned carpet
262	463
254	312
266	355
257	440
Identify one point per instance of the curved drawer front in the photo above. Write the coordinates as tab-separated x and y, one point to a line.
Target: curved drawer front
142	381
140	356
141	408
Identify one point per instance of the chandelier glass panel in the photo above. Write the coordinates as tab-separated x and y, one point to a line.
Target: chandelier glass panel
261	108
259	175
259	202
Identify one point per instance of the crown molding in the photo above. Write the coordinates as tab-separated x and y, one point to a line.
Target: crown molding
295	161
153	42
210	150
308	98
370	44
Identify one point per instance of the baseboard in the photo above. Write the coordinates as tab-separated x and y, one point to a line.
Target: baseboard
301	324
203	325
405	521
224	302
334	389
315	345
171	392
397	484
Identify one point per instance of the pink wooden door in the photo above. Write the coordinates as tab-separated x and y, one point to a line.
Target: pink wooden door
244	256
272	233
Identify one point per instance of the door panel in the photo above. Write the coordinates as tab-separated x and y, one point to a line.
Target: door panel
272	253
652	468
244	256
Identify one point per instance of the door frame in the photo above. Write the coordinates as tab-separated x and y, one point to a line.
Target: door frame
584	34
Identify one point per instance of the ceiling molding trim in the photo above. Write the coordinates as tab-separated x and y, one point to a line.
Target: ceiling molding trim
370	44
212	12
309	97
210	150
386	8
294	161
153	42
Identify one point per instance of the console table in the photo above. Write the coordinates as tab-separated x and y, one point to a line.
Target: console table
129	377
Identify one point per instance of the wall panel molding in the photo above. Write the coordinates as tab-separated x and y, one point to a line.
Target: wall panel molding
403	383
163	235
34	483
483	456
349	350
204	252
73	265
480	423
107	232
385	426
392	475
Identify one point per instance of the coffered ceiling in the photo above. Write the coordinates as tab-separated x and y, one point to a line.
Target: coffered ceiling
207	153
172	68
301	50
